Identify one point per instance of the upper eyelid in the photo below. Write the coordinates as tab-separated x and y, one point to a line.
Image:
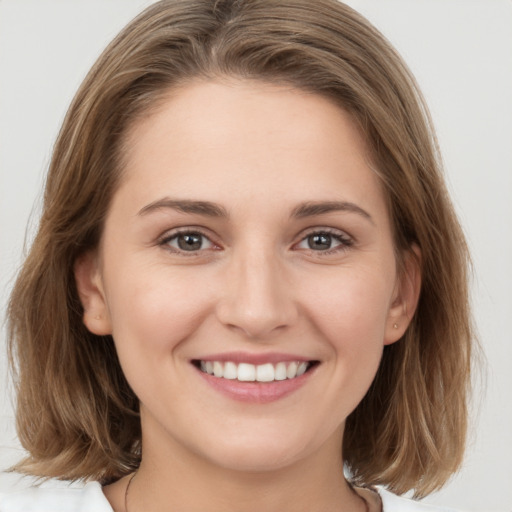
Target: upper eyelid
325	230
171	233
328	230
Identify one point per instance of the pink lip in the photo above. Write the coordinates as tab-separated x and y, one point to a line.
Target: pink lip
246	357
256	392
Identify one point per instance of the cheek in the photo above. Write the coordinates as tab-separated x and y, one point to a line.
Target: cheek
349	314
154	310
350	308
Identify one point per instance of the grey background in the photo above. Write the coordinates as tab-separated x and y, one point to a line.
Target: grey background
461	54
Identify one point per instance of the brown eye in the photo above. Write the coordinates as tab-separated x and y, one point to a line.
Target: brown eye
189	241
325	242
319	241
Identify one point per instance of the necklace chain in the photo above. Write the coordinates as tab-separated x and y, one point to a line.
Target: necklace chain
126	492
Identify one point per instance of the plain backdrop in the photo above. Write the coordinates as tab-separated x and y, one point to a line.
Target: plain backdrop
461	54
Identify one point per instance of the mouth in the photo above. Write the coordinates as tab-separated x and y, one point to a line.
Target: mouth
246	372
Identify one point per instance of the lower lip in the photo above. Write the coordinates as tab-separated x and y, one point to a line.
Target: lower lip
256	392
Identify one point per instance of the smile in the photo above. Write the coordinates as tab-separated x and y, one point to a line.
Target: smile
255	378
246	372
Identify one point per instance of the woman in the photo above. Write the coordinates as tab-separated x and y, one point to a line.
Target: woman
247	274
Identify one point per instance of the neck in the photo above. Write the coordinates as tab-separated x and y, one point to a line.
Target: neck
172	478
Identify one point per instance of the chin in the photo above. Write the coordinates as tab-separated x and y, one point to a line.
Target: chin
258	452
256	460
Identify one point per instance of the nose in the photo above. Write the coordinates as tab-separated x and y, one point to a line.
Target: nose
257	299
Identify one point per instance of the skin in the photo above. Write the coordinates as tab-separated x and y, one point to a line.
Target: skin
257	151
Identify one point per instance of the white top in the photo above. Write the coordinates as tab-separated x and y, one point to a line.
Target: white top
52	496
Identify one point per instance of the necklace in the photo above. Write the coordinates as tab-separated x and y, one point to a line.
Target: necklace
362	498
127	490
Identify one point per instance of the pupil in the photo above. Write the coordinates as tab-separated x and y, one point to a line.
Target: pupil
319	241
190	242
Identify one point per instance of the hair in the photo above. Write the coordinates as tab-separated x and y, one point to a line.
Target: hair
76	414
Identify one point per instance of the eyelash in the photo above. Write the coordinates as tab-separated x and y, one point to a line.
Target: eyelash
168	237
345	241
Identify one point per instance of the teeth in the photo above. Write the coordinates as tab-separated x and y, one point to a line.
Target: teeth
230	371
246	372
280	371
302	369
291	371
218	369
265	373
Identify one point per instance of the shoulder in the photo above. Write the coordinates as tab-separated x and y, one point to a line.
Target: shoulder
393	503
54	496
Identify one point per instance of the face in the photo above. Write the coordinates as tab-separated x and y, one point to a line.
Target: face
247	274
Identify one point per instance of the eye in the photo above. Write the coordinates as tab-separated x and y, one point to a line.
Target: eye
325	241
188	241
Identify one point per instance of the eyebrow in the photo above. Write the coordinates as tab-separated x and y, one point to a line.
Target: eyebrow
310	209
209	209
186	206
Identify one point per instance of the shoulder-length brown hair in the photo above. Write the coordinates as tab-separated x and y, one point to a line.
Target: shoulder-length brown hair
76	414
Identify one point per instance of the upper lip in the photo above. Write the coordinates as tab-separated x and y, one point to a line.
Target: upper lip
251	358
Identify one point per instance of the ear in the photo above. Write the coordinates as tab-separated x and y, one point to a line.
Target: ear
406	296
89	284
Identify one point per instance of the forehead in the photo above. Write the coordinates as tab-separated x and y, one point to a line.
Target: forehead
222	140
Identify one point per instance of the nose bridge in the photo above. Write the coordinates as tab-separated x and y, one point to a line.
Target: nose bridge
257	299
